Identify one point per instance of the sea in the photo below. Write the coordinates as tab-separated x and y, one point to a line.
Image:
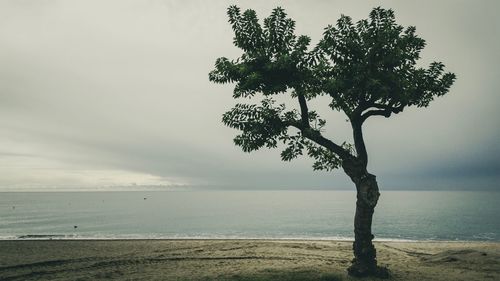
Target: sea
223	214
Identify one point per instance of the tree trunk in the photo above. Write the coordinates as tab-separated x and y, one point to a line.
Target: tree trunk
365	255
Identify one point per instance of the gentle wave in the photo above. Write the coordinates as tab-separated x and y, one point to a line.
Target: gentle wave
202	237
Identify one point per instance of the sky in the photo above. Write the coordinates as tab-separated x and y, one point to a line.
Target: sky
100	95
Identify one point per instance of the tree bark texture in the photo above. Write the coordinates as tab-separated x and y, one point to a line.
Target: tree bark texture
365	255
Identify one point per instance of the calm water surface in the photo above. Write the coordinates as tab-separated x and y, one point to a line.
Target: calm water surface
412	215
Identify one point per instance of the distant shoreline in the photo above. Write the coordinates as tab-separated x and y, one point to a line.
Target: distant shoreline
197	189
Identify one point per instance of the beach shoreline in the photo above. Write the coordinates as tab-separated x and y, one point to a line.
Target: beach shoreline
376	240
239	259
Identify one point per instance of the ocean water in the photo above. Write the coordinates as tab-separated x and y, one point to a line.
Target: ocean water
400	215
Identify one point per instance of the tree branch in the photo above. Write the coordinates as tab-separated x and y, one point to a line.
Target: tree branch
315	136
304	111
358	118
383	110
379	112
359	142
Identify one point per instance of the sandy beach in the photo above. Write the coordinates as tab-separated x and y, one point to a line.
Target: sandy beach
239	260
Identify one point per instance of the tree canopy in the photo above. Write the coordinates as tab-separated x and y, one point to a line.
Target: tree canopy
368	68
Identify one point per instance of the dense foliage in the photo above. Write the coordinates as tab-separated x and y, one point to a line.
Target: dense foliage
368	68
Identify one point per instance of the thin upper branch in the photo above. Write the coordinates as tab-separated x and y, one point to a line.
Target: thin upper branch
315	136
379	112
304	111
382	110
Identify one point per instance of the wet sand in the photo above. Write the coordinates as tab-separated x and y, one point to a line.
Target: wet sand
239	260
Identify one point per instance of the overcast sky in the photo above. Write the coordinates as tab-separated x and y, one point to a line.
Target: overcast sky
96	94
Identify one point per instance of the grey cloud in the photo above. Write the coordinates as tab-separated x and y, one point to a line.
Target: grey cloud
123	85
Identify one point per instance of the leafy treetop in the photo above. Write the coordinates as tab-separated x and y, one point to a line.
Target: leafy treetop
368	68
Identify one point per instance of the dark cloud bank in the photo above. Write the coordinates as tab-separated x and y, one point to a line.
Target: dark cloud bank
115	93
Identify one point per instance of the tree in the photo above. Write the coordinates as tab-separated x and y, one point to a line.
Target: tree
368	68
